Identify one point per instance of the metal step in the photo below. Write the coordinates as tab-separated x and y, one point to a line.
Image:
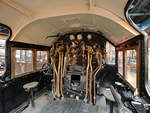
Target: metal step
20	108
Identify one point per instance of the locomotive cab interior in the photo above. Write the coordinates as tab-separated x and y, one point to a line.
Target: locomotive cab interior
84	56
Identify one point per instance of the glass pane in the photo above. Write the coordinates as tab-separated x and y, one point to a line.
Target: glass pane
41	59
4	34
120	62
2	56
149	61
23	61
110	50
130	67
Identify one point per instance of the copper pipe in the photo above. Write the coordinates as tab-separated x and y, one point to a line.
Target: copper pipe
100	65
54	77
90	87
95	69
54	74
54	66
58	75
53	91
87	73
89	65
90	51
63	69
61	82
53	82
57	71
94	83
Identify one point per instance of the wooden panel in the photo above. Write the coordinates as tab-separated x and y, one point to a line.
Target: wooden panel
137	66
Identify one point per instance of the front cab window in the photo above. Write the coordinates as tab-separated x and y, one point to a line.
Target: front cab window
4	34
110	50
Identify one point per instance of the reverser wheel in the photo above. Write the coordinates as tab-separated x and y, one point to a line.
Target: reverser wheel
47	69
46	79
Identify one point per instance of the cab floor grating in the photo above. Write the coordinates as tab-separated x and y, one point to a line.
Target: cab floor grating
72	106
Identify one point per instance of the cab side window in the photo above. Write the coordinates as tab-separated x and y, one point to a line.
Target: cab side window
130	67
2	56
27	60
4	34
149	62
23	61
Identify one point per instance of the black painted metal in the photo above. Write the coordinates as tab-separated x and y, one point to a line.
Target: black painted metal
140	6
96	34
144	70
32	97
12	93
9	29
10	44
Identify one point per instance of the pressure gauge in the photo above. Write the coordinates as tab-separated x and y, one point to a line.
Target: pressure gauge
89	37
79	37
72	37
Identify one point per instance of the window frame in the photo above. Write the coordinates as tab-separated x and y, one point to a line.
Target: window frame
13	60
34	56
4	47
137	66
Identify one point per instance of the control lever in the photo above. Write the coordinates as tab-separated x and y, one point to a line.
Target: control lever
140	107
121	108
1	81
146	106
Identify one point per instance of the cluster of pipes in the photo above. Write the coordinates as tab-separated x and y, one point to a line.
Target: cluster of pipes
61	52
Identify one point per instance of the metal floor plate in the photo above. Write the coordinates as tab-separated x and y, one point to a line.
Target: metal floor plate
71	106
